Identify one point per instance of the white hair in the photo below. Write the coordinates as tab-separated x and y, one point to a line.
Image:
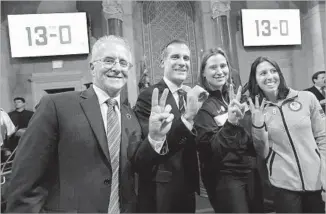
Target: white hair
102	41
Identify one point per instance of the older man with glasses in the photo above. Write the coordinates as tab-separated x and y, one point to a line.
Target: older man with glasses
81	148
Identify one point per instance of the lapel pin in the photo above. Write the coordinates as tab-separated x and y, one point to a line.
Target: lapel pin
128	116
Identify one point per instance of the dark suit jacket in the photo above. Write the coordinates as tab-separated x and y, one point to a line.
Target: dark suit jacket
63	164
174	175
318	94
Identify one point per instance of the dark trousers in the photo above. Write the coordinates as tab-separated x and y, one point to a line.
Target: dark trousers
287	201
150	202
236	195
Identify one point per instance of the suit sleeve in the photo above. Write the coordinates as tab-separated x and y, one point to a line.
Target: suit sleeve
179	135
27	189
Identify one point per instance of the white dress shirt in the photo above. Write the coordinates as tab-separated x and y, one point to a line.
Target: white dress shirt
174	90
102	98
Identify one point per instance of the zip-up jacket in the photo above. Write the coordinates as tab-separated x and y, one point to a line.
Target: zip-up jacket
224	149
297	142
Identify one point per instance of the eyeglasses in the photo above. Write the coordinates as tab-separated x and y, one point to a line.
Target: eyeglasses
110	62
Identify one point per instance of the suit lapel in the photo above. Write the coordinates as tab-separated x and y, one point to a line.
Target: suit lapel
125	120
170	99
91	108
318	93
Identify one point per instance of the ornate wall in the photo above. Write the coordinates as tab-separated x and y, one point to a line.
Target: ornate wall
161	22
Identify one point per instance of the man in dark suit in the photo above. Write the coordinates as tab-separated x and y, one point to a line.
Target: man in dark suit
319	88
80	150
20	117
171	184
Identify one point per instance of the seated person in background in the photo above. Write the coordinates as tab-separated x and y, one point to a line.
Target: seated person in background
319	87
7	129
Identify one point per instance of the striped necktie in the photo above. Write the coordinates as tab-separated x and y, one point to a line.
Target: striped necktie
182	96
113	137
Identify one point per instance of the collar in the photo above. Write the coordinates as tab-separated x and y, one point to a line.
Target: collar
173	87
319	88
103	96
292	94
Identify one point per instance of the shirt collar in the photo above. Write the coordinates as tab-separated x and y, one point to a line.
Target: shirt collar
103	96
319	88
173	87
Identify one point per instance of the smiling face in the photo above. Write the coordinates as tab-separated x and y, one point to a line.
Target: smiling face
112	78
267	78
176	63
216	71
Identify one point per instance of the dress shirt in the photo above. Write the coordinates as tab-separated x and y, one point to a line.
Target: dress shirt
102	98
174	90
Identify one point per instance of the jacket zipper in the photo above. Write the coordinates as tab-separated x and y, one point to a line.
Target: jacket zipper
271	163
317	152
293	148
269	154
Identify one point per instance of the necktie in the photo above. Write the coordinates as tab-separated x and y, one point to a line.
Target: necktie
182	96
113	137
323	91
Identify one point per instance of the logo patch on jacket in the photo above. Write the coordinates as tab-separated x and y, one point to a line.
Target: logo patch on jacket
295	106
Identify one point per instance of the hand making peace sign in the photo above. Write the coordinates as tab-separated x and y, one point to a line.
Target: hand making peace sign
160	120
235	108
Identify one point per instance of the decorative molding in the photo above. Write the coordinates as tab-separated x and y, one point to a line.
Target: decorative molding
41	82
112	9
163	21
220	8
55	76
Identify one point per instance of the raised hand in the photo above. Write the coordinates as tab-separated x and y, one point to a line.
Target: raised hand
257	112
160	120
195	99
235	109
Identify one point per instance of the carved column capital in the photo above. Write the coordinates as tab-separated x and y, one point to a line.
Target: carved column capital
220	8
112	9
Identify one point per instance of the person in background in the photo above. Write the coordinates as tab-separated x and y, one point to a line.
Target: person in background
20	117
289	130
224	143
7	129
80	150
170	186
319	88
144	81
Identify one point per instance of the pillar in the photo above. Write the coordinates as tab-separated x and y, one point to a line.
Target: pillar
113	13
221	16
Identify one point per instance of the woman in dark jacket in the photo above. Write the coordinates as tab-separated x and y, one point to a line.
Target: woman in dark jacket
226	152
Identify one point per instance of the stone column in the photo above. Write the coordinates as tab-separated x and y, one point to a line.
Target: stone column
113	13
221	16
